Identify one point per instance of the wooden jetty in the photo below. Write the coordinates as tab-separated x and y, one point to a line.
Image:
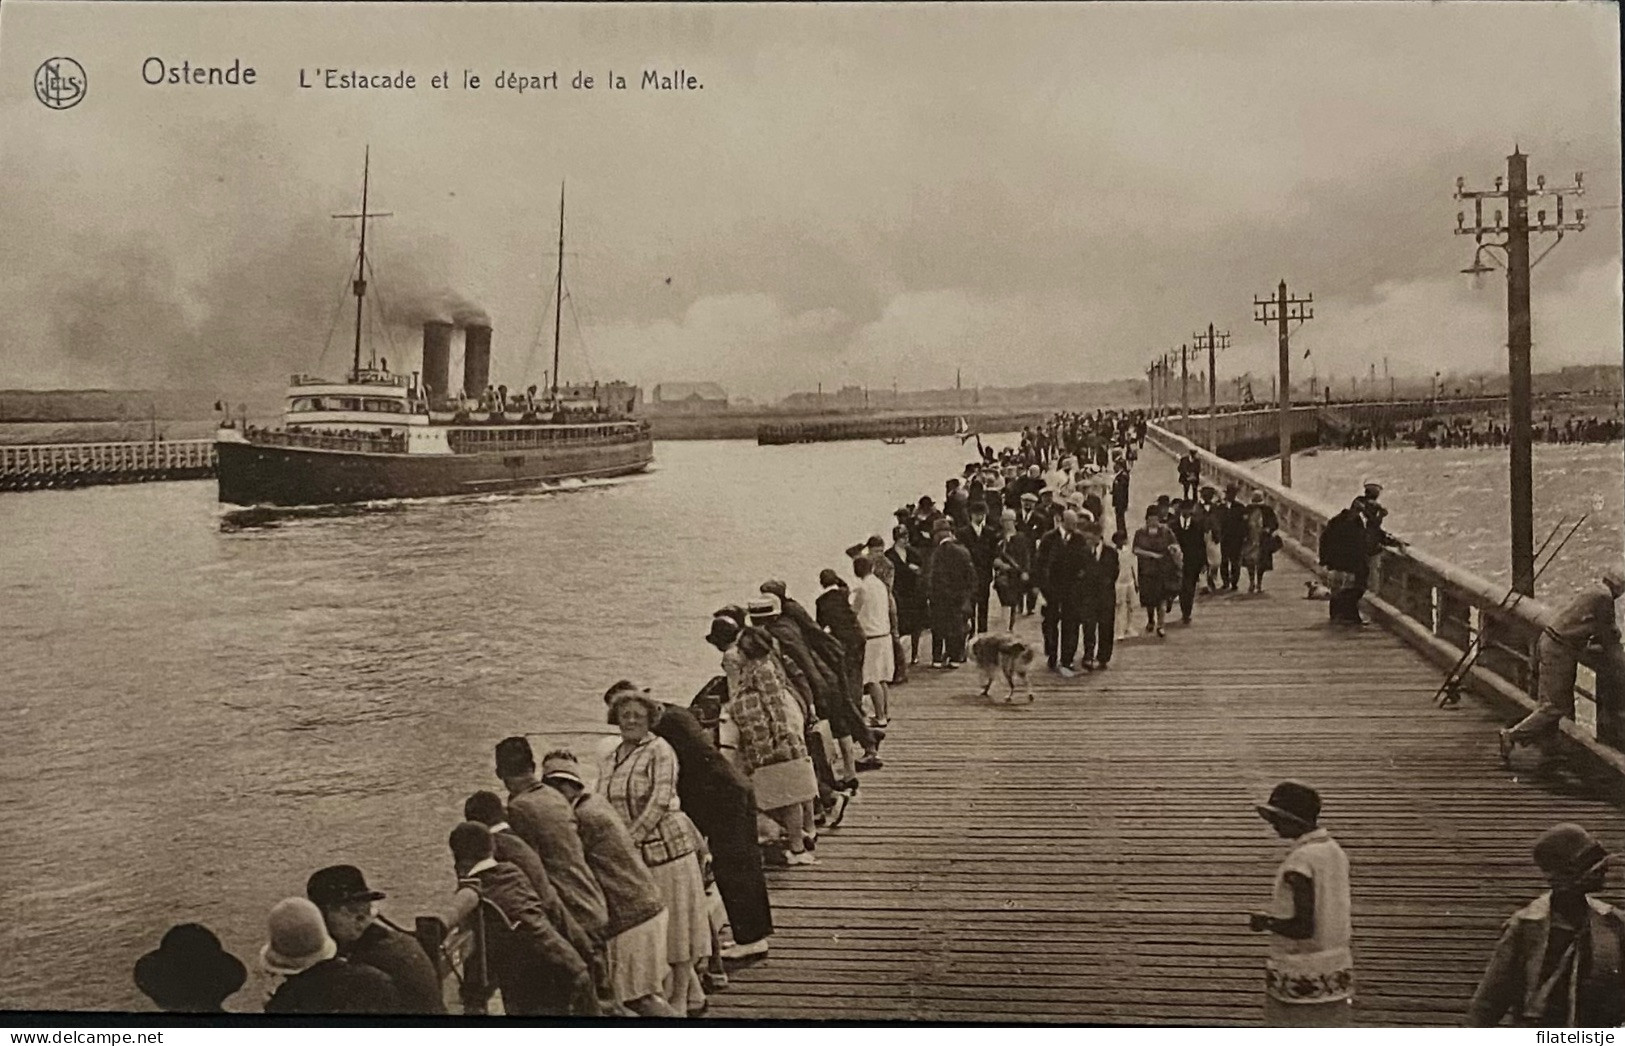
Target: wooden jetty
46	466
889	427
1092	857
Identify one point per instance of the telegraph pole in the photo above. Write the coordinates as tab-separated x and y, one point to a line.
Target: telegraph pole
1515	246
1151	387
1215	340
1278	310
1185	388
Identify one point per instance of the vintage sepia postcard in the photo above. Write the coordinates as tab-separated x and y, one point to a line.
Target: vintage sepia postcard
1074	513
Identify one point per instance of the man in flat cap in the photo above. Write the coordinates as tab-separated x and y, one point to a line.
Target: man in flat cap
1584	625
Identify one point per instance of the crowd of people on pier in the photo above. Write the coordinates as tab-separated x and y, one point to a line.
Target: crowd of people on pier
1459	432
627	891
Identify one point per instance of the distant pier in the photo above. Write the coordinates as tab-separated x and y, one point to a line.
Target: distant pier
888	427
1252	431
53	466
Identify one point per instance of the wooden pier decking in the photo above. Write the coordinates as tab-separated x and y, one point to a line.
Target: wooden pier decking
1092	857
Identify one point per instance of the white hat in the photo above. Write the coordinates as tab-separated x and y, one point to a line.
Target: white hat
299	938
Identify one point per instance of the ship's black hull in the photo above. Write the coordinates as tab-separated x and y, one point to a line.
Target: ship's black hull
258	474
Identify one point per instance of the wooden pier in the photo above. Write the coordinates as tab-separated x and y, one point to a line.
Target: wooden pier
58	465
890	426
1092	857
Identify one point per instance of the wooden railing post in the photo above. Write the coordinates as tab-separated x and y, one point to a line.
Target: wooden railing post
1442	608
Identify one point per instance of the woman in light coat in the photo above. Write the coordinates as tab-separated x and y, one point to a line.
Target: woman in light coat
639	778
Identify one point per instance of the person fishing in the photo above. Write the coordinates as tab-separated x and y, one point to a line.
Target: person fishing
1585	624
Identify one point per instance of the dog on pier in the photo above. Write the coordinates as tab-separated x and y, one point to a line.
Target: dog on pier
1002	653
1316	590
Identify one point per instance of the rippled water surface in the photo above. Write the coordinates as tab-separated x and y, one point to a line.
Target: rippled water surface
197	718
1453	503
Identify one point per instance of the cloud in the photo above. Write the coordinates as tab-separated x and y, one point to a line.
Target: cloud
859	195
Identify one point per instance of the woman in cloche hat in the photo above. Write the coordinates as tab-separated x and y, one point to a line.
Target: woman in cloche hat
1309	974
1560	962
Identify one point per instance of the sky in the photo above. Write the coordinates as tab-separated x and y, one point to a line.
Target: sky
856	194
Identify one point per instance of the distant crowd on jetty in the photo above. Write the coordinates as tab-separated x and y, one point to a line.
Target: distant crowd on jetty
1437	433
627	892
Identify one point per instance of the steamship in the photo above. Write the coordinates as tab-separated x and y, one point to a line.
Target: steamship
378	435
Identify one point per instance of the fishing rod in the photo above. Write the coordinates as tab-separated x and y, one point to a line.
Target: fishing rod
1449	692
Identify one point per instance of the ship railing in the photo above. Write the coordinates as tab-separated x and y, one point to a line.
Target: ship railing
363	444
366	377
607	434
1438	608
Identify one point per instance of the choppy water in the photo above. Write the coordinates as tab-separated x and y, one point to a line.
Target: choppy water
197	719
1453	503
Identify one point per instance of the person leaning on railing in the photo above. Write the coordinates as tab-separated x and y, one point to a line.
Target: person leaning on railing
1586	621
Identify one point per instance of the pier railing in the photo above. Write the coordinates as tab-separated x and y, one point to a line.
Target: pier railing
454	937
46	465
1436	607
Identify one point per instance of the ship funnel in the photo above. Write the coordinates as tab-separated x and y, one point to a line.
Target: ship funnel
437	360
476	360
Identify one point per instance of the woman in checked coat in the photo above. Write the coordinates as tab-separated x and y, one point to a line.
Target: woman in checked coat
772	743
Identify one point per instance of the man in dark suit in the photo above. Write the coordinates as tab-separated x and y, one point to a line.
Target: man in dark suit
1066	569
950	586
1050	536
1190	475
1190	530
1027	515
1232	535
1097	598
1120	497
981	540
1344	549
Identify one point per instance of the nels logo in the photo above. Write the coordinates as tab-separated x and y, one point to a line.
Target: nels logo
60	83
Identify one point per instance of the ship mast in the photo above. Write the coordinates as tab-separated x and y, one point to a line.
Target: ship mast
361	263
360	285
558	302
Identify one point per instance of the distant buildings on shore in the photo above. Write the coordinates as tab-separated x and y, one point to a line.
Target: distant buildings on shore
705	398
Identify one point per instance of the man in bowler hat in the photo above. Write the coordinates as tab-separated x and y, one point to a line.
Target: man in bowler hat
364	936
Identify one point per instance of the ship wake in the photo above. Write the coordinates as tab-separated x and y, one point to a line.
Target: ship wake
267	517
